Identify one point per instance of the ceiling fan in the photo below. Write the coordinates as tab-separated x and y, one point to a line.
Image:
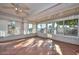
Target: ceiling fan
18	8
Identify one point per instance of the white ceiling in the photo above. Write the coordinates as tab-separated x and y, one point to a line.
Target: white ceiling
32	11
38	7
54	9
34	7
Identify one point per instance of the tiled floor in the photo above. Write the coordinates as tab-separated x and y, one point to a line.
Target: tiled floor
37	46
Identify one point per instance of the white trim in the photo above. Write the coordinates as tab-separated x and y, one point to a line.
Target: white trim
66	35
78	26
67	18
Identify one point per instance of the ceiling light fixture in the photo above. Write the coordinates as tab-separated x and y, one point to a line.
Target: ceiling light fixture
16	8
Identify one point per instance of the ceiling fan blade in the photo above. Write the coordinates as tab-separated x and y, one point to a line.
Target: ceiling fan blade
19	6
4	7
20	10
13	4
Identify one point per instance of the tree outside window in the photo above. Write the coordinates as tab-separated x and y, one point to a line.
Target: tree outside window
70	27
59	28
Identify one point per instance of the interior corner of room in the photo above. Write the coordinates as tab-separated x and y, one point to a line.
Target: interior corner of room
55	21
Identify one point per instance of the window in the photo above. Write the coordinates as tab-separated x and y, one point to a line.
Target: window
30	28
11	27
3	28
59	28
49	28
18	28
41	28
53	28
71	27
14	28
8	28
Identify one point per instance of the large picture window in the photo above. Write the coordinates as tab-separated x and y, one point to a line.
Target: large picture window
8	28
11	27
38	27
41	28
71	27
18	28
14	28
59	28
30	28
49	28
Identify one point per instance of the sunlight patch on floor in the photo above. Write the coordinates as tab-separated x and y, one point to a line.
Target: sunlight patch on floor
30	41
40	43
19	45
58	49
24	44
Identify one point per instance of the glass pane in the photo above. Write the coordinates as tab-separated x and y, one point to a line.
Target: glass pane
41	28
49	28
59	28
14	28
38	27
18	28
71	27
3	28
30	28
11	27
53	28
